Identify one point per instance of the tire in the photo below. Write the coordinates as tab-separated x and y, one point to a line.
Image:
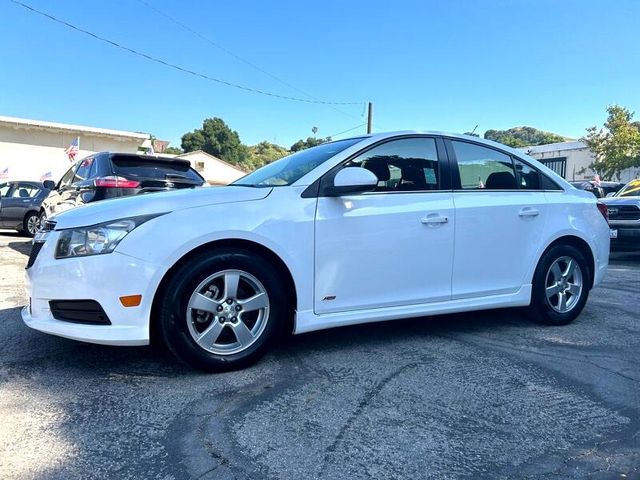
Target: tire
30	224
42	217
561	286
199	303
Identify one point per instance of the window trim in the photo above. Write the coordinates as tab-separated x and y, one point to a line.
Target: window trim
455	172
319	188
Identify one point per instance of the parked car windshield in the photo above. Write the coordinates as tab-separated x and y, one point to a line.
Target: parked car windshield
631	189
293	167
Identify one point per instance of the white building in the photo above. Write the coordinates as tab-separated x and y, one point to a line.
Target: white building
571	160
214	170
29	149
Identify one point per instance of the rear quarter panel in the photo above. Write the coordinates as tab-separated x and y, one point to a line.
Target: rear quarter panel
574	213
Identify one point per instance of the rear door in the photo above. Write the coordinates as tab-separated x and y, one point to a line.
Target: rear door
500	211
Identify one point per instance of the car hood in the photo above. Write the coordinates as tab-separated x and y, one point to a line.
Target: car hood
153	203
620	200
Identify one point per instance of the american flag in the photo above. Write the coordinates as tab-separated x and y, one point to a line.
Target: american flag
72	150
46	176
596	179
4	173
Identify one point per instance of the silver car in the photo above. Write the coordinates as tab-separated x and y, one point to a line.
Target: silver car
20	204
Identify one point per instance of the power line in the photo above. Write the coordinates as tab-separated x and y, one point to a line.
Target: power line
177	67
234	55
349	130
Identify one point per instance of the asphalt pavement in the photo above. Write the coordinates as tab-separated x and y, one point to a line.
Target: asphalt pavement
478	395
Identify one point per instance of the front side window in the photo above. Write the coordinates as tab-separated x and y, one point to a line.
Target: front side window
403	165
67	177
84	170
484	168
290	169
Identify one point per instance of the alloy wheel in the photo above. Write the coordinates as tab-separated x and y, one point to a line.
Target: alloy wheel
564	284
227	312
33	224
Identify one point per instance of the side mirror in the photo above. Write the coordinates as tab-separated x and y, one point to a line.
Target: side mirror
49	184
611	194
352	180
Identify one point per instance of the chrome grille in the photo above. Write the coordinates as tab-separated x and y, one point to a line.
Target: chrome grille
623	212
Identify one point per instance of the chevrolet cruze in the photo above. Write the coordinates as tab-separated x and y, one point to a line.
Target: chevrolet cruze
366	229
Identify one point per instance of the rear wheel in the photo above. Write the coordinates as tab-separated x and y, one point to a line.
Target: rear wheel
222	310
560	286
31	224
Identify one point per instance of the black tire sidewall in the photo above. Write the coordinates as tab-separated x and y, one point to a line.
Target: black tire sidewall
173	325
540	309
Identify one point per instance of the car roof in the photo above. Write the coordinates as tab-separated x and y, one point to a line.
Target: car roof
457	136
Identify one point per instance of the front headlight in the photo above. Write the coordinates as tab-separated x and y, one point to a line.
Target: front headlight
97	239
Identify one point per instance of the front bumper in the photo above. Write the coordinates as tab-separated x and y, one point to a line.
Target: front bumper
103	278
628	239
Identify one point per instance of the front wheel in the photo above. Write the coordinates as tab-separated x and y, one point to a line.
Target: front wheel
221	310
560	286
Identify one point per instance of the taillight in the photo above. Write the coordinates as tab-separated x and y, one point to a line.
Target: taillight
115	182
603	210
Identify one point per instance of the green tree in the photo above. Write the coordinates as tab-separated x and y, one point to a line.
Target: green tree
616	147
523	137
264	153
308	143
173	150
216	138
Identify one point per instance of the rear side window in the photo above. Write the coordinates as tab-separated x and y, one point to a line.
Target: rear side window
484	168
146	168
528	177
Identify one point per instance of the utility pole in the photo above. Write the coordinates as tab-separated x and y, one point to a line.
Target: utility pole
370	118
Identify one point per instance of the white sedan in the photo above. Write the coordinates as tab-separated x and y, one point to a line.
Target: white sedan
372	228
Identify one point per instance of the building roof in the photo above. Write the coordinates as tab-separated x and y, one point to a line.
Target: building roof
202	155
44	125
555	147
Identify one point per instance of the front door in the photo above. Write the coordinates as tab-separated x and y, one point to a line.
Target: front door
500	212
63	197
392	246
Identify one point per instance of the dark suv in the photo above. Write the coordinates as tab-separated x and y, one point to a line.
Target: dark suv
110	175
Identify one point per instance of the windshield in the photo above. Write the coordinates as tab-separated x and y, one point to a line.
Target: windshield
293	167
631	189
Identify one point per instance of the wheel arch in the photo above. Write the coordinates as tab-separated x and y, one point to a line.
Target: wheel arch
248	245
581	245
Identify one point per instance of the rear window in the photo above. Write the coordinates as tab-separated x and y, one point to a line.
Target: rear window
147	168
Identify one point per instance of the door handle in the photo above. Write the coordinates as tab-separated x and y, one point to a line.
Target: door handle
434	220
529	212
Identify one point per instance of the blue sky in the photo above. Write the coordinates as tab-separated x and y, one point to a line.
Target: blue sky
447	65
